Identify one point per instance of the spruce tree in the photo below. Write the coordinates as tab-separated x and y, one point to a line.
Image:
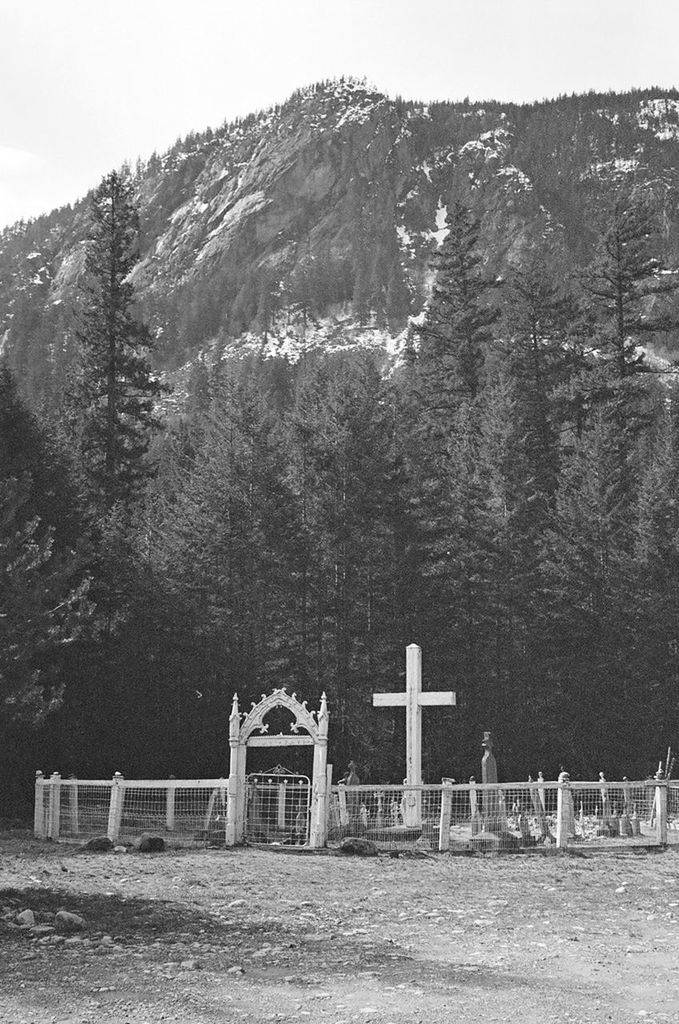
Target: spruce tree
116	389
457	328
625	274
537	313
43	606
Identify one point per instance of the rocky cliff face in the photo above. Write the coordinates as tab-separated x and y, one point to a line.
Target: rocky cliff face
315	222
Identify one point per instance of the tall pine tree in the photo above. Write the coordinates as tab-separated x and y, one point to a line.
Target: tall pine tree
458	324
117	389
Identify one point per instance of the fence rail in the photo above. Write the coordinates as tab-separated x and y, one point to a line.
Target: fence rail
447	817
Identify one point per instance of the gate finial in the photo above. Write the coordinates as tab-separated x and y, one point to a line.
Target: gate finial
234	719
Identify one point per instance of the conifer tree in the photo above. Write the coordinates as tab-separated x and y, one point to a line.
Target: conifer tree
116	388
458	324
536	316
43	605
626	272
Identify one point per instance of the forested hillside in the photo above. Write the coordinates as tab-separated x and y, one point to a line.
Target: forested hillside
422	361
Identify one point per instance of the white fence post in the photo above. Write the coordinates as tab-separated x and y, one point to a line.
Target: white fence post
54	812
342	798
446	815
115	810
661	811
39	830
563	814
170	805
72	790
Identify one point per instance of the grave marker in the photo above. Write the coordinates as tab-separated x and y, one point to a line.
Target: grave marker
413	700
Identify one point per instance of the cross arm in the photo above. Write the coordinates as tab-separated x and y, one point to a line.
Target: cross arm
390	700
447	698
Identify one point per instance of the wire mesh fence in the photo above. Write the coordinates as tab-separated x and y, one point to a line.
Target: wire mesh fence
393	817
184	812
446	817
673	812
503	816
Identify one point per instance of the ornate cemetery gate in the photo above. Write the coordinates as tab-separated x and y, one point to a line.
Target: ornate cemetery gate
250	730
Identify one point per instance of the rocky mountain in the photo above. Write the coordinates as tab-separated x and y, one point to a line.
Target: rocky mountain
313	224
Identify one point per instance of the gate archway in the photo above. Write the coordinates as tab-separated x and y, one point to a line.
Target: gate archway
250	730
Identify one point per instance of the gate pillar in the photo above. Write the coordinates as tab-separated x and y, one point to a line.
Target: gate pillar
318	834
235	806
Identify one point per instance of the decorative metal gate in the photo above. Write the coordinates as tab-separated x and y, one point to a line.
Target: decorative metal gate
277	809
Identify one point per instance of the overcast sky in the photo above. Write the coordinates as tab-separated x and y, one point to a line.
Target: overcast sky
87	84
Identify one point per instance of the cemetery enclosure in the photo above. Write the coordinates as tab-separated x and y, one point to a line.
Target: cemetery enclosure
277	808
455	818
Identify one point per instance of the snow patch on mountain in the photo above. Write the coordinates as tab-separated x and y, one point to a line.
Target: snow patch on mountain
618	168
514	179
442	231
293	341
660	116
491	146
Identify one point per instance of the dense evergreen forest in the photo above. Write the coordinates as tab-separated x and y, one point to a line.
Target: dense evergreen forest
507	496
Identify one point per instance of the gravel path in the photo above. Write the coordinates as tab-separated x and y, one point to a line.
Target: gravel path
255	935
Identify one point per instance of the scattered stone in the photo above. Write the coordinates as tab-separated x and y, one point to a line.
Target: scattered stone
40	930
359	847
98	844
67	922
149	843
26	918
486	842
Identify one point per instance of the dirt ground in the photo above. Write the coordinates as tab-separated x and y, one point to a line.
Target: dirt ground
255	935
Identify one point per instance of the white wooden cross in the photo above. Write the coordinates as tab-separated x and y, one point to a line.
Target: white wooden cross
413	700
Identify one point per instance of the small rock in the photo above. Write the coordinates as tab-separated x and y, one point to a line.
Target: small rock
41	930
359	847
120	849
98	844
67	922
237	903
236	970
26	917
149	843
487	842
190	965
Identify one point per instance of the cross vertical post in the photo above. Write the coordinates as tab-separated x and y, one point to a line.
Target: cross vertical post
413	700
